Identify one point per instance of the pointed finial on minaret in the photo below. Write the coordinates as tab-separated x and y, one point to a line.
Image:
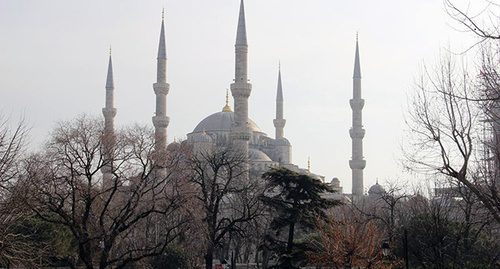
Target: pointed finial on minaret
279	65
308	164
227	108
162	48
279	96
110	84
163	13
357	68
241	35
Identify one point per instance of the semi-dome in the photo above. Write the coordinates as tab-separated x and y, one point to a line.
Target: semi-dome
282	142
221	121
202	138
256	155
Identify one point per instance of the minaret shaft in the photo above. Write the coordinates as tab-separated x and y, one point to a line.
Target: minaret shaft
241	90
357	133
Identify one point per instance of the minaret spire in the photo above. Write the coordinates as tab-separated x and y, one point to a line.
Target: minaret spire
109	113
357	68
241	34
161	89
357	133
241	90
279	122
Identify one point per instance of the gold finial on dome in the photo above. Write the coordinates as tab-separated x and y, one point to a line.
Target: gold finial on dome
227	108
308	164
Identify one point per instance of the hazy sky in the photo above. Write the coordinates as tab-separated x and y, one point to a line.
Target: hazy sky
53	62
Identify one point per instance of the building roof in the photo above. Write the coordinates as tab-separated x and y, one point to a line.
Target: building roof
256	155
221	122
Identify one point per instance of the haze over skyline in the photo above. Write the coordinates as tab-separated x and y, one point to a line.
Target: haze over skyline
53	62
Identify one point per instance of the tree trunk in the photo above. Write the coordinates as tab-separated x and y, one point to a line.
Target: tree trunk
209	256
86	254
289	246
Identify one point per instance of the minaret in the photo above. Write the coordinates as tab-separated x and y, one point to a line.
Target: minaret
241	90
161	88
357	163
109	113
283	146
279	122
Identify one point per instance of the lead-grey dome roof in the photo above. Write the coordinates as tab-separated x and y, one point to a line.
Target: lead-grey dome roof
202	138
376	190
221	121
282	142
256	155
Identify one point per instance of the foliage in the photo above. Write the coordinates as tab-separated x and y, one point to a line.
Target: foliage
295	201
348	238
438	242
173	258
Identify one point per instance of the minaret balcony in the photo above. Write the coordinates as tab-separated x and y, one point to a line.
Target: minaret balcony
161	88
357	103
357	133
241	90
357	164
161	121
279	123
109	112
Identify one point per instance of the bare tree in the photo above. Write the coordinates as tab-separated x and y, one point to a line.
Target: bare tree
14	247
478	17
348	239
134	217
445	131
227	198
385	207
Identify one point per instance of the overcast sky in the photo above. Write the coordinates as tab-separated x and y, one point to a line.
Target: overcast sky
54	53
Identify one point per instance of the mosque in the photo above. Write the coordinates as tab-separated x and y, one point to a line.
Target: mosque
235	127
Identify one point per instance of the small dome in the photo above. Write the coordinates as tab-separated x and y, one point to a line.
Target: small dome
173	146
281	142
221	121
376	190
335	180
258	156
203	137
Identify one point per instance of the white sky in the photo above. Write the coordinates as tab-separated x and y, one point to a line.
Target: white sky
54	53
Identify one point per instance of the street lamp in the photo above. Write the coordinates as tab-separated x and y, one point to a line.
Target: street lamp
386	249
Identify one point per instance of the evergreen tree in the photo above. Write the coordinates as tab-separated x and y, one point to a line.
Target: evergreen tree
296	200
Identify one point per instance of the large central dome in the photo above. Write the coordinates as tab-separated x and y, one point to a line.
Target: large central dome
221	122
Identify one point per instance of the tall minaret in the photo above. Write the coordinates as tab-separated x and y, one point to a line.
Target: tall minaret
109	113
357	163
241	90
161	88
279	122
